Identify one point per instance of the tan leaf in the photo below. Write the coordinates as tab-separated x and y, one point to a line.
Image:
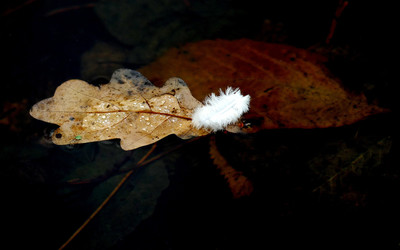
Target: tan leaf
129	107
289	87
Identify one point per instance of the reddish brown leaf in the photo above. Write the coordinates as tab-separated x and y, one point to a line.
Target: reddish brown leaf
239	184
289	87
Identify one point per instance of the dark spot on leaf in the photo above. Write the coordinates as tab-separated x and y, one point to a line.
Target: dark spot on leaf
128	76
147	83
253	121
182	82
268	89
280	124
71	118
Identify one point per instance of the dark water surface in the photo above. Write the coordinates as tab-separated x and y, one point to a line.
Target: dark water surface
319	188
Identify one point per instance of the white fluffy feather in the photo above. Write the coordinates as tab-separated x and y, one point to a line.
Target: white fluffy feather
221	111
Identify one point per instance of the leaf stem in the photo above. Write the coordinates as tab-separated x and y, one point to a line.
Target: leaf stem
113	192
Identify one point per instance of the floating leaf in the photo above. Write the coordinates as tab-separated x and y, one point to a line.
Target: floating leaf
289	87
130	107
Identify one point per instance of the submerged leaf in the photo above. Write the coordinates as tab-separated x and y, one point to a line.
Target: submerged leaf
130	107
238	183
289	87
356	160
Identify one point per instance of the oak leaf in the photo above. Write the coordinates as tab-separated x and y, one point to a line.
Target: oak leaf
289	87
130	107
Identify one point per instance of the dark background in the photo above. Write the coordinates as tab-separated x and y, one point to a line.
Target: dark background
181	201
